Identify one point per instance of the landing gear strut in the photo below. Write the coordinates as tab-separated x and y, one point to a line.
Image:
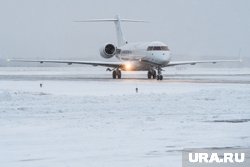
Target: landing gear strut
155	74
117	74
159	75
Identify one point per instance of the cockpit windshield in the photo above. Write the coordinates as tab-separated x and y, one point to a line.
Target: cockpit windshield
164	48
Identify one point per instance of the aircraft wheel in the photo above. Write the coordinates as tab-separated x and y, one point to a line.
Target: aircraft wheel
119	74
159	77
149	75
114	74
154	74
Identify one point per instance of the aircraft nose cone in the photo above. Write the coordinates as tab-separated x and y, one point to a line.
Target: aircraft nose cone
165	57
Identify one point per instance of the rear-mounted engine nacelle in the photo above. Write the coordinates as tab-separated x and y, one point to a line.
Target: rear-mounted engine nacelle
108	51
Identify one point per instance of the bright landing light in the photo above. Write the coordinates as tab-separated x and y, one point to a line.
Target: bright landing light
128	66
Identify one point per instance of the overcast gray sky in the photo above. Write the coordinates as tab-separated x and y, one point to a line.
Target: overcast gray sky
44	28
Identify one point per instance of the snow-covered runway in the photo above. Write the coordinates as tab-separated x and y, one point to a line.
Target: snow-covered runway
104	122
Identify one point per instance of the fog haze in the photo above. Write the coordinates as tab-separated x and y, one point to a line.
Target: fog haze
193	29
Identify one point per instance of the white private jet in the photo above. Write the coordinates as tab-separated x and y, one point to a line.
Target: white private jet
146	56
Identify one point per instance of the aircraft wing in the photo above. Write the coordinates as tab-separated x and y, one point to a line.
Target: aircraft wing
176	63
70	62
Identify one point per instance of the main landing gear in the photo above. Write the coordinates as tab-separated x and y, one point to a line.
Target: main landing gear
117	74
155	74
152	74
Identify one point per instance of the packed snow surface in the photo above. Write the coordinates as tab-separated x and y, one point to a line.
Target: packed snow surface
104	122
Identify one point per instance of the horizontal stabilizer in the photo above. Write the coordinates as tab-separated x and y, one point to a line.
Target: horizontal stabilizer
111	20
120	39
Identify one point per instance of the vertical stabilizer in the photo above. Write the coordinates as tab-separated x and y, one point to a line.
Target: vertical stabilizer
120	39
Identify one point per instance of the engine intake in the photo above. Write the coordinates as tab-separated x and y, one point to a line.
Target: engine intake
108	51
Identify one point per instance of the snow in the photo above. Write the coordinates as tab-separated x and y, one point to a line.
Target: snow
103	122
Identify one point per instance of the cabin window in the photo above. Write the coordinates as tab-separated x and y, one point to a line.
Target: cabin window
126	52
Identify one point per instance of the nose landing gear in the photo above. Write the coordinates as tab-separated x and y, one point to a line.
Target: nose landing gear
159	75
155	74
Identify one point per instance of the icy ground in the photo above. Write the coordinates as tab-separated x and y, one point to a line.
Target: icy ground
106	123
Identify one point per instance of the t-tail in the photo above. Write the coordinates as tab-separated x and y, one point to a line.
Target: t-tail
119	34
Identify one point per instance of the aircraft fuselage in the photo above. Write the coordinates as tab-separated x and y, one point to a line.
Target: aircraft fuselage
140	56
